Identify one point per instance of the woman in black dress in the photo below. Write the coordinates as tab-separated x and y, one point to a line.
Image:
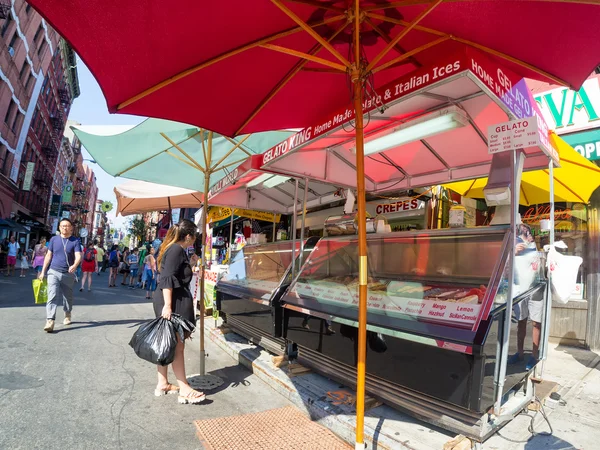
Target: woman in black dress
173	296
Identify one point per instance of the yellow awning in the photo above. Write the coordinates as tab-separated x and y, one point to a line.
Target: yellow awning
574	181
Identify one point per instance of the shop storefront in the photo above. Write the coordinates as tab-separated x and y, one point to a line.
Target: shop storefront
575	116
401	214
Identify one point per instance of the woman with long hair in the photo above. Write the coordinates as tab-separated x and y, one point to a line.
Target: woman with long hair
149	279
88	266
113	265
174	297
39	253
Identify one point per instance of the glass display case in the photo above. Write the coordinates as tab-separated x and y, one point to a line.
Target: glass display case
248	294
436	309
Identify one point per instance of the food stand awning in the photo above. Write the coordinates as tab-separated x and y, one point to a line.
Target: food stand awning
251	186
433	130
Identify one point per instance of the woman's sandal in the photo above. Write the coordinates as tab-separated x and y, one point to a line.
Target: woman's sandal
193	398
170	389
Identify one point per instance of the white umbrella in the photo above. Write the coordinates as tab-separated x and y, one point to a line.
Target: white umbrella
137	197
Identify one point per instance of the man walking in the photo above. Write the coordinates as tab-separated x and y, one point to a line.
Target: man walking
99	257
61	262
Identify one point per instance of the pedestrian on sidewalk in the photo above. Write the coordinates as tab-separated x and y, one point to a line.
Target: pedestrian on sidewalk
174	297
61	262
150	273
134	265
24	264
39	253
11	259
113	265
124	267
99	257
88	266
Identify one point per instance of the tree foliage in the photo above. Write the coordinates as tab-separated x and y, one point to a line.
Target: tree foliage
138	228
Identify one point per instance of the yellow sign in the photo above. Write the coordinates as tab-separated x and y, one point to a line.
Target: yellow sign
216	214
258	215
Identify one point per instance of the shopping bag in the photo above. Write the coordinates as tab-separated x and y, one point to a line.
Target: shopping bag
155	340
563	270
40	290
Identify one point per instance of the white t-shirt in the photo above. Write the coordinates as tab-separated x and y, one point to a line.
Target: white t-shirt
13	248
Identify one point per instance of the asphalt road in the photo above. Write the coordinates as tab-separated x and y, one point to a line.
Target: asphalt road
83	387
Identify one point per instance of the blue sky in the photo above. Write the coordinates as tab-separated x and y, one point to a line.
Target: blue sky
90	109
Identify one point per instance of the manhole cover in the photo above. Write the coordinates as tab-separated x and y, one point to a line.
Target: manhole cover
205	382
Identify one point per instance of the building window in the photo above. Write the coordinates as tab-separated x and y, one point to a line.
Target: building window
23	70
10	112
41	49
6	160
13	44
38	33
7	23
27	9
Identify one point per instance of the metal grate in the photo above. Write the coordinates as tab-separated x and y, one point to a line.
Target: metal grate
269	430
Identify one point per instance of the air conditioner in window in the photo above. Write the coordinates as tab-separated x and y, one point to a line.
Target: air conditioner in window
11	51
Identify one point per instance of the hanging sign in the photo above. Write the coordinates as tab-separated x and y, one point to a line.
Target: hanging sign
55	206
67	193
216	214
520	134
409	204
28	176
257	215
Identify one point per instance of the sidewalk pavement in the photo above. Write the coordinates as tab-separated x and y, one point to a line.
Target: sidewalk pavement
83	387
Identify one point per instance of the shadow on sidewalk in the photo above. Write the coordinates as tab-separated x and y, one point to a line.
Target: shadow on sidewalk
582	356
547	442
106	323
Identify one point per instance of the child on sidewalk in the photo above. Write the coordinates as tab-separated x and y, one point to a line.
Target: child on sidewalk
24	264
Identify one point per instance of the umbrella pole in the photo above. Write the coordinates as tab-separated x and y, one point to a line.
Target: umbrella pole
356	77
170	211
202	308
230	237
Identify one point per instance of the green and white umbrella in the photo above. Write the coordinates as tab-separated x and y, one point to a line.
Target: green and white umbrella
176	154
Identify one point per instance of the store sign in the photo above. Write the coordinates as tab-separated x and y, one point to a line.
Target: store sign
28	176
225	181
520	134
567	111
218	214
66	214
409	204
534	215
587	143
506	85
67	196
55	205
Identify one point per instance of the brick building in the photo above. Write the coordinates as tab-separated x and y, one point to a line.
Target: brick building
37	87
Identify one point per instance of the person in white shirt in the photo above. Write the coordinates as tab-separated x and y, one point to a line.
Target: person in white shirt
11	260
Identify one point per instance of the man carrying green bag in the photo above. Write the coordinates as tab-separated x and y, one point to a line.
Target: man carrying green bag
40	291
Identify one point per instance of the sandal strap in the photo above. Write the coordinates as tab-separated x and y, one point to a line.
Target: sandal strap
194	394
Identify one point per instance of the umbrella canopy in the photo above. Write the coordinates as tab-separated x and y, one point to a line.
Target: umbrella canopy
269	65
174	154
296	54
137	197
574	181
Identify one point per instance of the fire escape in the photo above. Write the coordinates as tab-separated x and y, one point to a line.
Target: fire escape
5	6
63	95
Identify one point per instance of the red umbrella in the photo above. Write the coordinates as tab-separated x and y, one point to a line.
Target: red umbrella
243	66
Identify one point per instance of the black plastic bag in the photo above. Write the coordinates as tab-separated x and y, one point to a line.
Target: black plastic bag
155	341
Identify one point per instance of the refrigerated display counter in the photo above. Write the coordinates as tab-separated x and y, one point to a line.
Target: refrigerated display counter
436	308
249	294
